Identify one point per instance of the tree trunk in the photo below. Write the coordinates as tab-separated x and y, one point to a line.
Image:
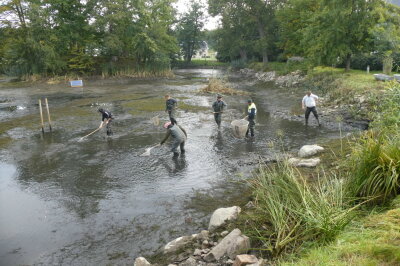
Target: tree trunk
243	55
348	61
261	31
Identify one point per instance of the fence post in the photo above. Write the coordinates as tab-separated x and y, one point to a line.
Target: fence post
48	113
41	114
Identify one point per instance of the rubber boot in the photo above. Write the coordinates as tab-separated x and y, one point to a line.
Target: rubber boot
319	124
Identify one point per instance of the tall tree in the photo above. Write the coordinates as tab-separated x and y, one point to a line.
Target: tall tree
189	30
386	34
337	29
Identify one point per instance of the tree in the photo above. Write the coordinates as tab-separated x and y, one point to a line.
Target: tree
337	29
386	34
189	30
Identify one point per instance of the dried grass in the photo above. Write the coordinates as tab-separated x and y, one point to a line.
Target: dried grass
221	86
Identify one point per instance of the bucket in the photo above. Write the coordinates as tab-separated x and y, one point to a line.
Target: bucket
155	120
239	127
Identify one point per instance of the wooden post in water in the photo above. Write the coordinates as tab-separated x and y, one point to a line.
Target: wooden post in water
41	114
48	112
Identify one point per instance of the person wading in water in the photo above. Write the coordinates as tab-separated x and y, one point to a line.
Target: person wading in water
309	103
179	137
106	119
251	116
219	106
170	108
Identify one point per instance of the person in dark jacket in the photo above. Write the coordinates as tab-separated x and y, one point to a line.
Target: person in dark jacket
178	135
106	118
251	116
219	106
170	108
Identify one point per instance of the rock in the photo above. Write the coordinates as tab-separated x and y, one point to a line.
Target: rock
229	261
312	162
233	244
205	244
249	205
203	235
245	260
205	251
189	262
141	262
224	233
178	243
383	77
309	150
221	215
197	252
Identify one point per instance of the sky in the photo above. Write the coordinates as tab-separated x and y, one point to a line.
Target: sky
183	6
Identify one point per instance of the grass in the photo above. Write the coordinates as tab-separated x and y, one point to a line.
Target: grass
221	87
291	211
376	171
375	240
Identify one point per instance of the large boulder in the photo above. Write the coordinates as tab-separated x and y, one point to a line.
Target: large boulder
313	162
141	262
221	215
178	243
309	150
233	244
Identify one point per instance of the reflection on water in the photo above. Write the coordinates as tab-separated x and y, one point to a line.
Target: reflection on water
97	201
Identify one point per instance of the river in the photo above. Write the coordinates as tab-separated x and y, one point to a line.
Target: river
69	202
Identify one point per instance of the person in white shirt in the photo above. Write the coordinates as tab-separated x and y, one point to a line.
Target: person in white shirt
309	104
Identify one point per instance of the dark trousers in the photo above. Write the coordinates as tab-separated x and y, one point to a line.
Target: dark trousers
176	144
108	127
251	127
218	119
309	110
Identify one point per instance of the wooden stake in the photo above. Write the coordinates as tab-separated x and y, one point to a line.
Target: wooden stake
48	112
41	114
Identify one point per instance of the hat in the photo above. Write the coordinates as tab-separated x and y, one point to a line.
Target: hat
101	110
219	96
249	101
167	124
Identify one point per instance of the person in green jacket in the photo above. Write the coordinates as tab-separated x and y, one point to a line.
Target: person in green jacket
179	137
219	106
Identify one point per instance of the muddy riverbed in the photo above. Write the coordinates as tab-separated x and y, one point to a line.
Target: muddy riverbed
97	201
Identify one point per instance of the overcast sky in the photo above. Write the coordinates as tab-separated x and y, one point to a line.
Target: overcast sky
183	6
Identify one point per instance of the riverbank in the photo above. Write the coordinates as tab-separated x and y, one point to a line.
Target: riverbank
286	228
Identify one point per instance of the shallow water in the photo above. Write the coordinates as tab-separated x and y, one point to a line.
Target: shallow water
97	201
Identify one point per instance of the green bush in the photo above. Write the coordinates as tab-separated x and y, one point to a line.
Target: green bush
293	211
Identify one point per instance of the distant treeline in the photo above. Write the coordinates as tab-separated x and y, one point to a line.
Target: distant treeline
113	37
325	32
57	37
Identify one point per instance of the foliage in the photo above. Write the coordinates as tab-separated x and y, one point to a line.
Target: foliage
57	38
189	31
291	211
371	241
376	168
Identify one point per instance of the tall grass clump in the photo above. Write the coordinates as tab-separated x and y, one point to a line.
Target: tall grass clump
294	211
375	164
375	160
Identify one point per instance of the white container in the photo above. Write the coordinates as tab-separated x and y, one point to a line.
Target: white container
240	127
